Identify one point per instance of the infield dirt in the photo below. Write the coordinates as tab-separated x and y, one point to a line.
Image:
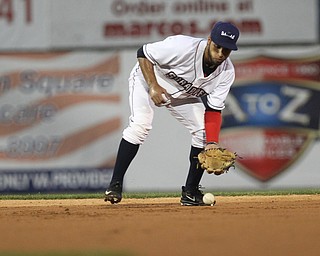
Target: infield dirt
239	225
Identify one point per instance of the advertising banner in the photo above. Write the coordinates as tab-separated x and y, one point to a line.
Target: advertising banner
62	116
24	24
60	119
134	22
52	24
273	110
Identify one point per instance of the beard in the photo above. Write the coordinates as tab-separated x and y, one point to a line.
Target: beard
210	61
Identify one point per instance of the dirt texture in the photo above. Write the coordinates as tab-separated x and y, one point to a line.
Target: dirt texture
245	225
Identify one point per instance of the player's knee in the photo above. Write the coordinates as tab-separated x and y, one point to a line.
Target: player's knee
136	133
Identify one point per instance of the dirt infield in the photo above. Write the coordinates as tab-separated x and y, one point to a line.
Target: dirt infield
246	225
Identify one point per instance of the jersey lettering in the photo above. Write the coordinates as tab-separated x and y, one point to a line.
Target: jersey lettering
187	86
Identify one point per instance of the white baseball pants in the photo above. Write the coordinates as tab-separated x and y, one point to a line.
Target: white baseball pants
188	111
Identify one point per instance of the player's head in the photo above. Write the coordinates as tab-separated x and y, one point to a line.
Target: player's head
225	34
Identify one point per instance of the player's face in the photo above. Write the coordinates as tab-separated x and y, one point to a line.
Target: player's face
215	54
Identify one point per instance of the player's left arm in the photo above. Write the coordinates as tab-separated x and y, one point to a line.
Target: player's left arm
214	104
212	123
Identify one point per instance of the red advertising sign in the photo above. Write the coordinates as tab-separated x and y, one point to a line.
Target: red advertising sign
272	113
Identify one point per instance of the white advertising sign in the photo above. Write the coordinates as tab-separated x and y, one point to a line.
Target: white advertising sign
38	24
24	24
60	119
134	22
62	116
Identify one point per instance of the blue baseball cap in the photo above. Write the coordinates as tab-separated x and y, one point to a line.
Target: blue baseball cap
225	34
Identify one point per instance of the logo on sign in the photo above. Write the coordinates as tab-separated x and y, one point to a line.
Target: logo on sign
270	122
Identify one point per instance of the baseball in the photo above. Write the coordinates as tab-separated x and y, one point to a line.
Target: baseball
208	198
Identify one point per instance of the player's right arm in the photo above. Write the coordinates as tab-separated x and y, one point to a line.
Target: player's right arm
156	91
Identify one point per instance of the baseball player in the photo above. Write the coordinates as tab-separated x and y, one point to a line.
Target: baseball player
191	77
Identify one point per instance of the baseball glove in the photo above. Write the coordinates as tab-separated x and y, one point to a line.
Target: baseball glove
216	160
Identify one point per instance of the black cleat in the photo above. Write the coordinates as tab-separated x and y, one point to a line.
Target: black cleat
114	193
191	197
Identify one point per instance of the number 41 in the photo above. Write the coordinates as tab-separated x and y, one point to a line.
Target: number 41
7	12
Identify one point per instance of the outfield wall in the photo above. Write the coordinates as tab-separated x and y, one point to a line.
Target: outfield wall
64	67
62	116
58	24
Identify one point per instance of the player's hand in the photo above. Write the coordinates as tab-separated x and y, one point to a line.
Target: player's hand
159	95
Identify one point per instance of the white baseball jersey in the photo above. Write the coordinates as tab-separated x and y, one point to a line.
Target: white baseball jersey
178	68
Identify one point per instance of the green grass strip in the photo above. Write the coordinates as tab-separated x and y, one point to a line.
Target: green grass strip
141	195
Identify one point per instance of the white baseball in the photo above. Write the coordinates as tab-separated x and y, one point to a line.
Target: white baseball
208	198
